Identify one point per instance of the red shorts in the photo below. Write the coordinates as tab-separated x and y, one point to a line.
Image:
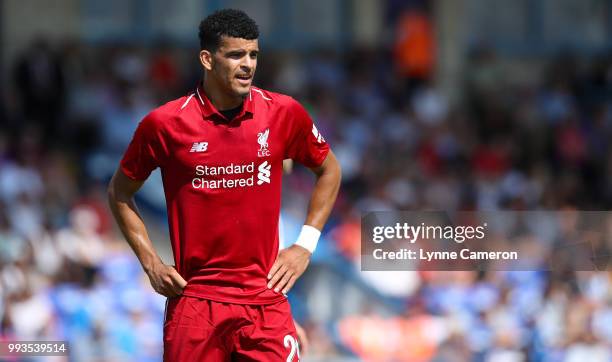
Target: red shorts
198	329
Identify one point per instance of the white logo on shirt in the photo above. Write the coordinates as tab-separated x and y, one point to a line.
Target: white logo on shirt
199	147
229	176
262	139
264	173
317	135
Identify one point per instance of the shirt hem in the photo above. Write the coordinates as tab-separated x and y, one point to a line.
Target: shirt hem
132	176
234	301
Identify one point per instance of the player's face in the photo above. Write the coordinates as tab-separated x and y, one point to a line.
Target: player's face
234	63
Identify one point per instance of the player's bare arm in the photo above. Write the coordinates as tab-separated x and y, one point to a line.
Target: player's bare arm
302	338
292	261
164	278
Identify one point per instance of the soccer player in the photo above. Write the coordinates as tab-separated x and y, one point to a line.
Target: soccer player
220	150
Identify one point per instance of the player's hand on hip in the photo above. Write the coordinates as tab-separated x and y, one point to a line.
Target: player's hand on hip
288	267
166	280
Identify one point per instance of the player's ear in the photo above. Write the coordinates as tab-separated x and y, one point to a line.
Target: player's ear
206	59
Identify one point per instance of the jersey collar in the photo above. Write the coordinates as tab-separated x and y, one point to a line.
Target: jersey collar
208	109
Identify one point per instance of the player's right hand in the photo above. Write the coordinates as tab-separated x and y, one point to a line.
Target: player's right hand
166	280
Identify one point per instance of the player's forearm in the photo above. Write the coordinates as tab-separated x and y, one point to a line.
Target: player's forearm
325	192
292	262
132	227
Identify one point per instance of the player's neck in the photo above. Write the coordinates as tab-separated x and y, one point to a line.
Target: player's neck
221	100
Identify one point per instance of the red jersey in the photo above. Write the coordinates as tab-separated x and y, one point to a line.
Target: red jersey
222	182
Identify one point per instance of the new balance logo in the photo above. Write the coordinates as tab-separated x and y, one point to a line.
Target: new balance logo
263	176
199	147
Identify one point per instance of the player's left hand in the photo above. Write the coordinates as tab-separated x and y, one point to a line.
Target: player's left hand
288	267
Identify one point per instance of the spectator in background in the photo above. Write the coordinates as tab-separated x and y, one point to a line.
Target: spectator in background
40	83
414	48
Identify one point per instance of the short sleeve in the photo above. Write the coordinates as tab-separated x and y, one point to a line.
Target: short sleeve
306	144
145	152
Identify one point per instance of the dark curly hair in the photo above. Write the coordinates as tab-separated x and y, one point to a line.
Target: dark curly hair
228	22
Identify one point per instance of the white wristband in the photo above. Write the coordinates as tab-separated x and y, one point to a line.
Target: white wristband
308	238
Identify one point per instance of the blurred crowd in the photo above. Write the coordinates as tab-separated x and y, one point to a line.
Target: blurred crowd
504	145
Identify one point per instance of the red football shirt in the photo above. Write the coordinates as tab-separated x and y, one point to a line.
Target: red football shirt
222	182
